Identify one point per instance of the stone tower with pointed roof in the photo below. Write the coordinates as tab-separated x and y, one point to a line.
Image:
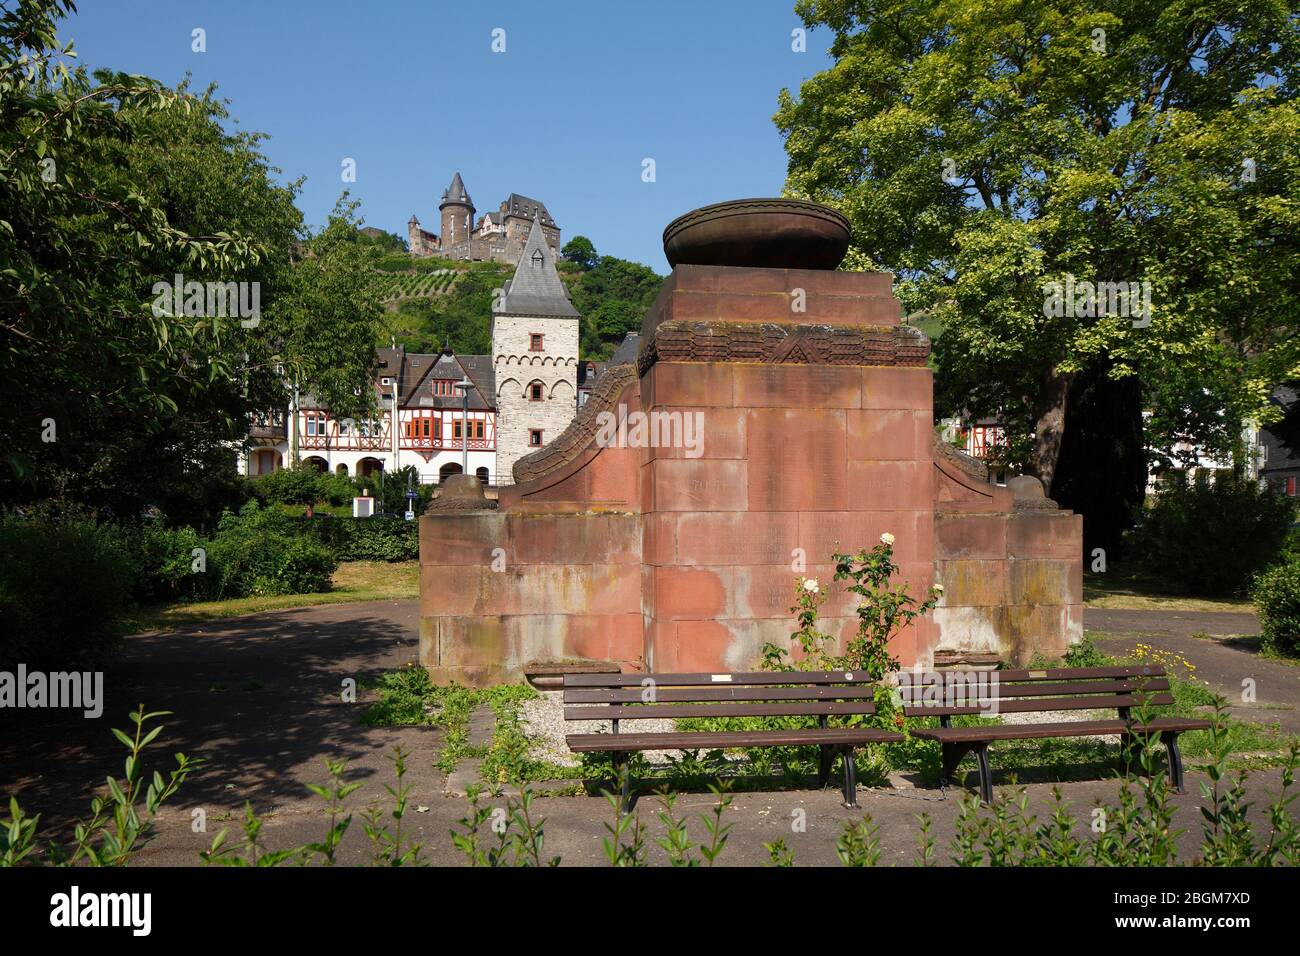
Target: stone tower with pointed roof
457	214
534	354
497	236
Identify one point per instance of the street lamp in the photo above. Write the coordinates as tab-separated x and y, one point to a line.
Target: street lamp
464	385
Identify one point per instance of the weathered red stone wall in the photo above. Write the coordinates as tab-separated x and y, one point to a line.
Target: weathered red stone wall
1010	562
817	435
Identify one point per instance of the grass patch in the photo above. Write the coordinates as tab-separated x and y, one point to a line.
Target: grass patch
353	581
408	697
1117	591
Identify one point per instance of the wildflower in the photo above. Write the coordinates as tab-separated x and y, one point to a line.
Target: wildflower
811	586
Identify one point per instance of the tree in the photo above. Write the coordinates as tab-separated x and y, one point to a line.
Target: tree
984	151
110	186
579	249
613	297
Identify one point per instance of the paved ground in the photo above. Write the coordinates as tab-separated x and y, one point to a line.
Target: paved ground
1223	652
260	699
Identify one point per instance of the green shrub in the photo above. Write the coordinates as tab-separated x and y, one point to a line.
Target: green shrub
1212	538
64	580
165	563
294	486
380	539
257	552
1277	599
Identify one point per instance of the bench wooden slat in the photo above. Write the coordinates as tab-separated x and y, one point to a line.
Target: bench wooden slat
1081	673
1043	690
1081	728
1041	704
702	694
723	739
740	678
673	711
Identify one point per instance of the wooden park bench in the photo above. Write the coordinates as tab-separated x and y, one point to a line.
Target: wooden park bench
1126	689
620	698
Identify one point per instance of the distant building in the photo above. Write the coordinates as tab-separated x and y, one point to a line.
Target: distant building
1279	466
498	236
534	354
520	397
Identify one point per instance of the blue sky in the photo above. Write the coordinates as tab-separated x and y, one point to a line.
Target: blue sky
413	92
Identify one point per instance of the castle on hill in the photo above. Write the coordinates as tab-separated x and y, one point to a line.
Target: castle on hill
498	236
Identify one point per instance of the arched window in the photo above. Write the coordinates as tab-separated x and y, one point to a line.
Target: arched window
482	474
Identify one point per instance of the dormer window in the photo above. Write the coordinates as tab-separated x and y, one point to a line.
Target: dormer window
537	258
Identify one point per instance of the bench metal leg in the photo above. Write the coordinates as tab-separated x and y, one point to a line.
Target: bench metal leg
952	755
986	775
1170	740
824	769
850	779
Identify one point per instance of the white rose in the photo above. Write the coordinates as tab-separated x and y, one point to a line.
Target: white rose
810	585
887	538
939	588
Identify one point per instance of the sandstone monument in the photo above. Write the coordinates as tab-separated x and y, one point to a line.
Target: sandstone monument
817	434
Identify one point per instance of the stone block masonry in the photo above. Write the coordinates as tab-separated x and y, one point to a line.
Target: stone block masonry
818	436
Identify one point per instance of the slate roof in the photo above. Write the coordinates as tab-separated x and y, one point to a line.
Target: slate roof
527	208
415	389
627	350
536	288
456	192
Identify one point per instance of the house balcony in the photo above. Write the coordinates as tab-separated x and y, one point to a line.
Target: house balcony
448	444
268	433
345	442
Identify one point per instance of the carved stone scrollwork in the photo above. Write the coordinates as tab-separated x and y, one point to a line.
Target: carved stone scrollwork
784	343
581	431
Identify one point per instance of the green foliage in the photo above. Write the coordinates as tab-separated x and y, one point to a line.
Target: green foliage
256	552
580	251
859	843
982	149
119	825
613	297
1210	538
517	840
111	184
1086	653
1276	594
388	847
64	580
296	486
165	563
883	610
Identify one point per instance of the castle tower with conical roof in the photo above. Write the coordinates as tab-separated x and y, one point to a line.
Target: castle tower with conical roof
457	216
534	355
